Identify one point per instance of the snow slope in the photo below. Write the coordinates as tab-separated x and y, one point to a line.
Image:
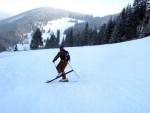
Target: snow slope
59	24
113	79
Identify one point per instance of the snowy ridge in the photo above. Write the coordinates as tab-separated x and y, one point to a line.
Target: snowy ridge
60	24
114	78
15	18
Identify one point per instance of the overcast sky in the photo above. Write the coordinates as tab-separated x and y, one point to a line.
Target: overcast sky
94	7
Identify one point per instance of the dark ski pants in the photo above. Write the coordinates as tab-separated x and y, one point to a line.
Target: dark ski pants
61	67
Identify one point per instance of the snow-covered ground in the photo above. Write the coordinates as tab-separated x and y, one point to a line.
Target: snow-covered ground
113	79
59	24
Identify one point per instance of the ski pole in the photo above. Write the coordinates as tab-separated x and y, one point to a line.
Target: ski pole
56	67
73	70
55	64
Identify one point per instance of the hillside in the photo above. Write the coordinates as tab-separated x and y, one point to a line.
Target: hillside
31	18
113	79
12	29
51	28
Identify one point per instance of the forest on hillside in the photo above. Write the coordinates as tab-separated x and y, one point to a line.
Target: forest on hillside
12	29
133	22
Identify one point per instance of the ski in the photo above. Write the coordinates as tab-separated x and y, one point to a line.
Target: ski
48	81
67	81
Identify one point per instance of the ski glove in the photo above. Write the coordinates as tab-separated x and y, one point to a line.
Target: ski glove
53	61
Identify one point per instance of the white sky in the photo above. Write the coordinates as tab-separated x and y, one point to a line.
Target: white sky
94	7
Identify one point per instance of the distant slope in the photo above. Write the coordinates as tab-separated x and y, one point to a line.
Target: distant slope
52	26
13	28
24	21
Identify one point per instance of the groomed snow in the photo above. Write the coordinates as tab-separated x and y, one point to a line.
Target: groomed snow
113	79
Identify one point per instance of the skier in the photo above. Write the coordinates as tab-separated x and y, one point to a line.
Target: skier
64	58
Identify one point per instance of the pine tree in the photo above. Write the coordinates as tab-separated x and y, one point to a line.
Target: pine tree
85	35
136	2
102	35
138	15
92	36
63	41
58	38
109	28
47	45
116	34
67	44
129	24
69	39
52	41
144	29
77	39
36	41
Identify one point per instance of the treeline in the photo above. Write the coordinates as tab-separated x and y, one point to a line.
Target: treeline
132	23
12	30
38	43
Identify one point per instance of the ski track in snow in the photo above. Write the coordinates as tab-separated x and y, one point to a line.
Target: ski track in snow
113	79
